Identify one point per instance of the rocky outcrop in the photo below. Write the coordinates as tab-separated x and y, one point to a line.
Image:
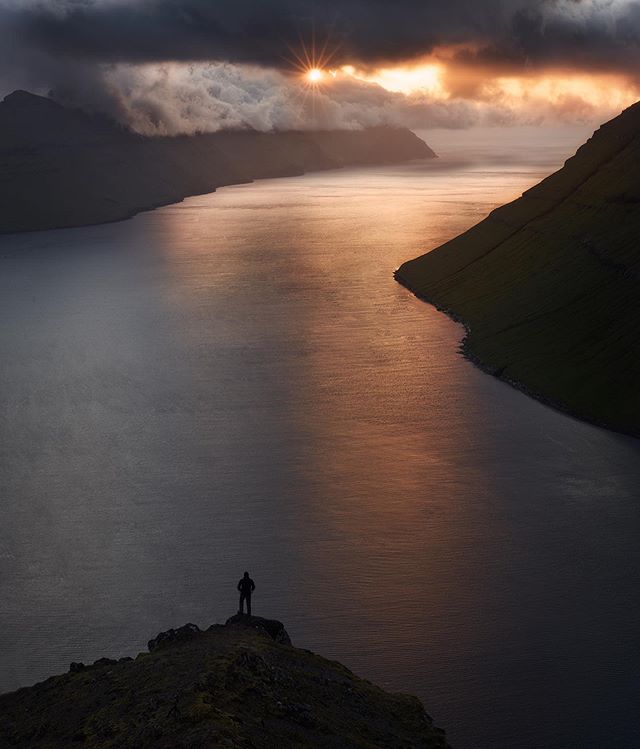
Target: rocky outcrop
228	687
173	636
549	285
269	627
62	167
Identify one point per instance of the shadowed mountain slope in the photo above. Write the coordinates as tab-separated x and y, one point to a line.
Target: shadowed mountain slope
549	286
233	686
62	167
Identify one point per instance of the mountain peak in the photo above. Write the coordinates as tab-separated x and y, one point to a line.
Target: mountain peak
20	97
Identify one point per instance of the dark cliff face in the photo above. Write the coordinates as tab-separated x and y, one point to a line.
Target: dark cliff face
233	686
549	285
62	167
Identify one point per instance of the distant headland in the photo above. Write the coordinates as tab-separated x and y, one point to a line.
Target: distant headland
235	685
63	167
549	286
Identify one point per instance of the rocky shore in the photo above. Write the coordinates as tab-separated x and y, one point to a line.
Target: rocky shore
236	685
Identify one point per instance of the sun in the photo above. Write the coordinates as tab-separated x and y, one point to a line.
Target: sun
315	75
311	60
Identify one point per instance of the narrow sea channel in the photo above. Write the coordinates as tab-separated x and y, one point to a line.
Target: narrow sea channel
236	382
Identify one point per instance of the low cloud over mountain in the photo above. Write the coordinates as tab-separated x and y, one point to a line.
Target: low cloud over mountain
180	65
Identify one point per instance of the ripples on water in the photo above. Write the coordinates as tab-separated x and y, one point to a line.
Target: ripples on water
237	382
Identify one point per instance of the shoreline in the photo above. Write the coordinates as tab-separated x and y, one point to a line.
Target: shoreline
238	183
477	361
547	284
66	169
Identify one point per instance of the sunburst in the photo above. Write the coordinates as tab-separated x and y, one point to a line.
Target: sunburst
315	75
309	63
311	60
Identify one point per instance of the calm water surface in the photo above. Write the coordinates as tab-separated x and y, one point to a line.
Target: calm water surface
237	382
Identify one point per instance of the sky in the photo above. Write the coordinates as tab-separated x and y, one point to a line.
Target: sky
171	66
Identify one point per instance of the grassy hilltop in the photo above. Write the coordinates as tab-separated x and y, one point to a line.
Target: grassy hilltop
549	286
235	686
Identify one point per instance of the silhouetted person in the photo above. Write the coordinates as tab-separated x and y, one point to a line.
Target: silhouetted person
246	586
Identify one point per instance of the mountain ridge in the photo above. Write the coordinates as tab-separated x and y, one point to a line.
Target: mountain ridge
62	167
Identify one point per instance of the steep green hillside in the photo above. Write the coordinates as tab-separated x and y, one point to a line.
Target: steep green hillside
235	686
549	285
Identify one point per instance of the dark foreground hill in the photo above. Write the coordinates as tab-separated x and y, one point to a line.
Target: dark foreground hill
62	167
549	285
238	685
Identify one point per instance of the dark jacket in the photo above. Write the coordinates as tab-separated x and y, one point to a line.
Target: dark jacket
246	586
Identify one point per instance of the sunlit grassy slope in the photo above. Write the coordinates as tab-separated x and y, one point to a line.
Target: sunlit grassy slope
549	285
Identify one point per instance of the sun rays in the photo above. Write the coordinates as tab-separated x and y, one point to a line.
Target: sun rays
311	59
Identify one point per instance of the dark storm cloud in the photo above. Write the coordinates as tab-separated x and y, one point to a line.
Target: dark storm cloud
505	33
257	31
596	36
90	53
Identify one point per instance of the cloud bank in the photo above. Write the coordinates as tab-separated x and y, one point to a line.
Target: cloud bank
169	66
603	34
172	99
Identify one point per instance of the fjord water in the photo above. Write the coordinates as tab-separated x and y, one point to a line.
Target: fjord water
237	382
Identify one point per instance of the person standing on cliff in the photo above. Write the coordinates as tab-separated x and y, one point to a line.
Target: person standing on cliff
246	586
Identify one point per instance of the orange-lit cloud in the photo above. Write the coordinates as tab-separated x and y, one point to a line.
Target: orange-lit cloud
167	65
528	94
185	98
403	79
